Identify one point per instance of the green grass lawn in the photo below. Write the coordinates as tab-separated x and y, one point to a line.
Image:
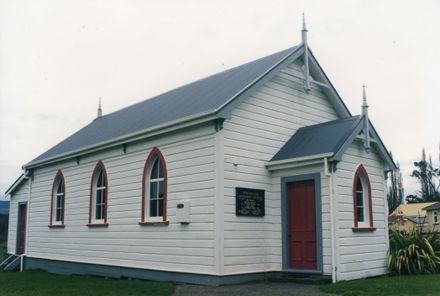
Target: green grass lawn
388	285
40	283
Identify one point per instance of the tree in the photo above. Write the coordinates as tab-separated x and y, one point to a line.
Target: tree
395	188
429	179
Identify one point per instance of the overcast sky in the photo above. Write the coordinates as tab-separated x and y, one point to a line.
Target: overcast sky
58	57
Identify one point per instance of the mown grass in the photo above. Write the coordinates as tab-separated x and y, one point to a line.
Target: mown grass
40	283
388	285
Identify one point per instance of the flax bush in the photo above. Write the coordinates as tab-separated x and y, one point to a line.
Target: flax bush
414	253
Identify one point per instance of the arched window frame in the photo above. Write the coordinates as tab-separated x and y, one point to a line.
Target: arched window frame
59	177
93	222
366	225
145	219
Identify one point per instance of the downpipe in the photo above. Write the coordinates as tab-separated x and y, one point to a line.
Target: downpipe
332	219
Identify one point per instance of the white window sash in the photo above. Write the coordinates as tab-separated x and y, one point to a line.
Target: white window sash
365	201
95	201
55	208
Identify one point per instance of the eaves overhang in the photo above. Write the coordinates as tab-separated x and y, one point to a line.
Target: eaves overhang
298	161
143	134
16	184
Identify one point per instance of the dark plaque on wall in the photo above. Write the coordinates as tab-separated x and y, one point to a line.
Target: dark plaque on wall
249	202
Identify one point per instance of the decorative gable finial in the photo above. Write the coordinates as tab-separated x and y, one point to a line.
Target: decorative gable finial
306	55
99	108
365	119
364	101
304	30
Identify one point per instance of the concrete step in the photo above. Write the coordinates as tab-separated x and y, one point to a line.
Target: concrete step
302	278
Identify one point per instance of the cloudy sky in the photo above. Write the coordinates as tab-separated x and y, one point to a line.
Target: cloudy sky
58	57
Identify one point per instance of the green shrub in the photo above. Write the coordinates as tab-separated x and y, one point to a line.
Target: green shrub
414	252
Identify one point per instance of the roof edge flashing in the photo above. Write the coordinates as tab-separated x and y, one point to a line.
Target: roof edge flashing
224	109
153	131
285	163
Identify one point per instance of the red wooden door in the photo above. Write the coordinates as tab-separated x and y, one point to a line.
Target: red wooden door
302	225
22	229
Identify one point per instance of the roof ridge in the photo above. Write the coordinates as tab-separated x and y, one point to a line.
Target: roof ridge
200	97
200	80
329	122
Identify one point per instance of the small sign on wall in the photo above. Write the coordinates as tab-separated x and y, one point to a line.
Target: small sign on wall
249	202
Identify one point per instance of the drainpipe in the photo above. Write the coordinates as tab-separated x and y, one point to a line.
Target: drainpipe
27	176
332	219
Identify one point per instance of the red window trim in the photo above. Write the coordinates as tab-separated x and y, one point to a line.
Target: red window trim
99	165
97	224
56	226
361	171
61	176
363	229
154	152
154	223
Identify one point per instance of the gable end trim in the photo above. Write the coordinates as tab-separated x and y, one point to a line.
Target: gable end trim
224	111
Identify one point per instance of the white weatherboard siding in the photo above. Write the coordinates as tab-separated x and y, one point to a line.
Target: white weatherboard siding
361	254
190	161
257	129
20	195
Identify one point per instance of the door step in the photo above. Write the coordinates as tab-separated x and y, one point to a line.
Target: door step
13	262
312	279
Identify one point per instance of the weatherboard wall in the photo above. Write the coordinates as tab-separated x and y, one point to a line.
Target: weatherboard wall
361	254
259	126
190	160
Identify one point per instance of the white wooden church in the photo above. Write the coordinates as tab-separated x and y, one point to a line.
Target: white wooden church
254	172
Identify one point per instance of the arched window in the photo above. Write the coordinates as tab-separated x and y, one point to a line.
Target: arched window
154	189
58	200
363	212
98	196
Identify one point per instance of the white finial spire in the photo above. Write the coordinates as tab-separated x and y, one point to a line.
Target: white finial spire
364	98
306	56
366	120
304	30
99	108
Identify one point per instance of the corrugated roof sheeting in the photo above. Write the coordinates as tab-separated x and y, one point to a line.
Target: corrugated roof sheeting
195	98
318	139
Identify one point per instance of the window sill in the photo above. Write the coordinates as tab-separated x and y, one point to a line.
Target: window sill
97	224
363	229
145	223
56	225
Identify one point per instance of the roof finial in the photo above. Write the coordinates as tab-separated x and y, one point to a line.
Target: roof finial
306	56
364	101
99	108
304	30
366	120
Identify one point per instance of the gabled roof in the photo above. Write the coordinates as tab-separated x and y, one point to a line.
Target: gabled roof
329	139
205	95
212	96
16	184
435	206
318	139
412	210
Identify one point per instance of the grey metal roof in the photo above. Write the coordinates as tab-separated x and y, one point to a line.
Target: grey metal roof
208	94
435	206
318	139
